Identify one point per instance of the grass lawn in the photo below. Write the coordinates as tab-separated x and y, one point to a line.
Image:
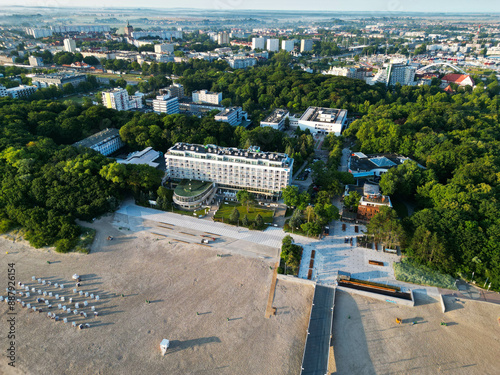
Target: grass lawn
77	98
201	211
85	240
225	211
126	77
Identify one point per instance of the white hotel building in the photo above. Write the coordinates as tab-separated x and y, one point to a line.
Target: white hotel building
265	173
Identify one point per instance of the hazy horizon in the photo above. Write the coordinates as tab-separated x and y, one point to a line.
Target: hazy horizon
396	6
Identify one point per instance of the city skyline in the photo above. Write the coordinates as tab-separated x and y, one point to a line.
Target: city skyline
397	6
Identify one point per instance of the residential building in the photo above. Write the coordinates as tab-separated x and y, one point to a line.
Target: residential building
371	202
57	79
166	104
288	45
306	45
35	61
265	173
241	62
21	91
162	34
119	99
3	91
258	43
148	156
350	72
273	45
38	33
80	29
174	90
401	73
373	166
222	38
459	79
199	109
276	119
323	120
105	142
205	96
165	47
232	115
69	45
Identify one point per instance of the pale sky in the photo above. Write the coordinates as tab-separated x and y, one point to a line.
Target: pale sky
451	6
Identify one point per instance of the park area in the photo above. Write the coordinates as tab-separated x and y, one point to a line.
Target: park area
225	210
210	305
367	339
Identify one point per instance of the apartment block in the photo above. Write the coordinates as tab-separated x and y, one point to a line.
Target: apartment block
288	45
69	45
205	96
21	91
306	45
57	79
258	43
242	62
166	104
163	48
276	119
266	173
232	115
119	99
105	142
273	45
35	61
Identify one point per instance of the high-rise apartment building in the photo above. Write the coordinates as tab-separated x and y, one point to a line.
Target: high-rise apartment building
306	45
288	45
164	47
273	45
119	99
69	45
222	38
258	43
266	173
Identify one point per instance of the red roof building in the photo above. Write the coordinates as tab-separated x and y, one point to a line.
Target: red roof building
459	79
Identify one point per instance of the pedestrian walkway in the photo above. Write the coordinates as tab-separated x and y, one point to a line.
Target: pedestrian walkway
272	236
317	350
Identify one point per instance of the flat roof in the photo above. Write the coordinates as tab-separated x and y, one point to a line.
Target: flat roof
253	152
324	115
276	116
98	137
359	162
191	188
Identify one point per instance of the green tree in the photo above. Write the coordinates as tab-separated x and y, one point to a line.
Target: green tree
291	195
259	221
245	198
352	200
235	215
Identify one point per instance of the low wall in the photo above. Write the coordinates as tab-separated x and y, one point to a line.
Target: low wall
381	297
296	279
443	306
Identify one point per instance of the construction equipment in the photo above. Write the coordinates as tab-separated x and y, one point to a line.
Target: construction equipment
398	321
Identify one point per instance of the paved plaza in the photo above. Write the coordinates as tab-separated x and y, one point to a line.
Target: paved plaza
270	237
333	255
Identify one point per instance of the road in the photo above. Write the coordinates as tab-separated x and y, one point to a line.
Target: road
317	349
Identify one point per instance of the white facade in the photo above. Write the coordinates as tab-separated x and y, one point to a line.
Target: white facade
276	119
105	142
165	47
242	62
306	45
288	45
273	45
39	33
164	34
222	38
205	96
119	99
21	91
232	115
69	45
258	43
35	61
401	73
324	120
230	168
166	104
